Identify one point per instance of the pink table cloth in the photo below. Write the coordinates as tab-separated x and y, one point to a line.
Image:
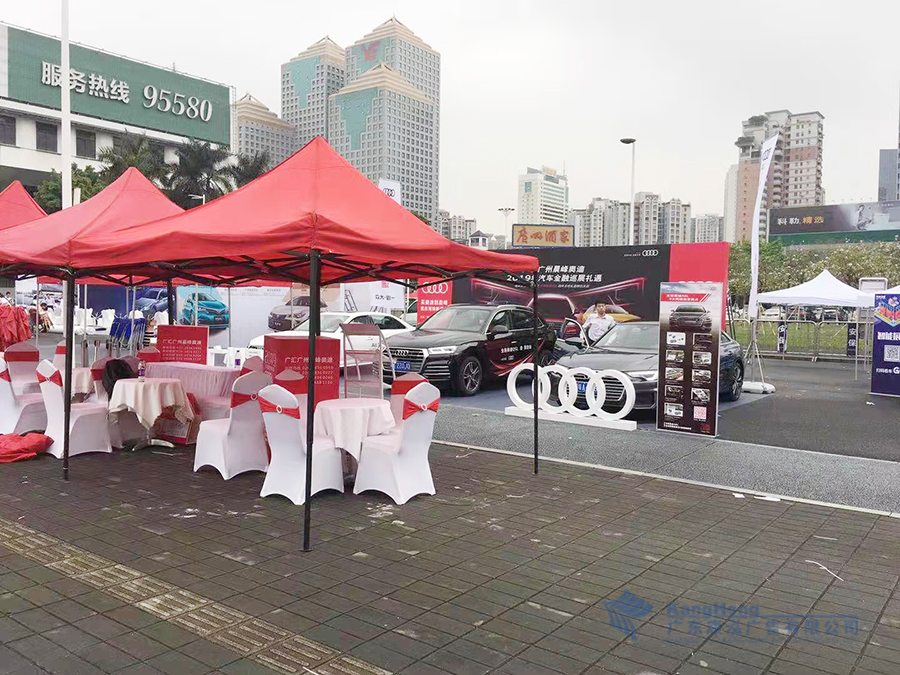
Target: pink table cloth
151	398
349	420
198	379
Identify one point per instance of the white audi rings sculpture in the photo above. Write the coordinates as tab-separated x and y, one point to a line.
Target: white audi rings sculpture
567	392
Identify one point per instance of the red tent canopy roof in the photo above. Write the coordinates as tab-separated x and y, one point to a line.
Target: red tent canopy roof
53	241
17	206
313	200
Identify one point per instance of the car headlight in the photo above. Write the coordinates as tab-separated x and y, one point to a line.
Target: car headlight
443	350
644	375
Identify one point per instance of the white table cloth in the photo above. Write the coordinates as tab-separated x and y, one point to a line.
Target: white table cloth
198	379
349	420
82	381
150	398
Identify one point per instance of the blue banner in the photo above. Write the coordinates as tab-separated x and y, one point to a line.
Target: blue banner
886	349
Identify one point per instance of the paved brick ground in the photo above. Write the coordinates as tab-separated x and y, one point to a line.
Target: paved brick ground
138	566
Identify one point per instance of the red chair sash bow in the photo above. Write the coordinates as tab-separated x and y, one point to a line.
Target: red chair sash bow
245	370
239	399
269	407
6	376
55	378
26	356
96	374
60	349
410	408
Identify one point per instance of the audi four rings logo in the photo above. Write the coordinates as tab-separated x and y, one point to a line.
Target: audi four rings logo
437	289
594	393
650	253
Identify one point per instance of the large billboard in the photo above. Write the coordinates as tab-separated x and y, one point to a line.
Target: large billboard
838	223
541	236
113	88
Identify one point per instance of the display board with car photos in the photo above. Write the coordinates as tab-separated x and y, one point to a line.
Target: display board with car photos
690	326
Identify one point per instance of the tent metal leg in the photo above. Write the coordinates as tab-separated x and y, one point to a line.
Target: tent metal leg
69	327
170	301
535	347
315	275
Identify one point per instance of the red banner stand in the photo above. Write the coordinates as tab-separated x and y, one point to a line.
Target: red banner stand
291	353
185	344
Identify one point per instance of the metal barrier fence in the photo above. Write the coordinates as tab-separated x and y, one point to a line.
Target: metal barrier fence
804	338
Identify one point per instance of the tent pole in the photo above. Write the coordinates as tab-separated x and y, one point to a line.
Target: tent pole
37	317
170	301
315	274
230	317
69	327
535	347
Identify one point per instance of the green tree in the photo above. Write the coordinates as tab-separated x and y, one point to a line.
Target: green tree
248	167
137	151
49	193
201	169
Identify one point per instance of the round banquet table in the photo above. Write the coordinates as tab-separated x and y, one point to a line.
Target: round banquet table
198	379
150	398
349	420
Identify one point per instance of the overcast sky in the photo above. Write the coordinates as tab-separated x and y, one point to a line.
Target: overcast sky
532	82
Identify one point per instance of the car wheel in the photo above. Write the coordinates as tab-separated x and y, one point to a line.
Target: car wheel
736	385
469	376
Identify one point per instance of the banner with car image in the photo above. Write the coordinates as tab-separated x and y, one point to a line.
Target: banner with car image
690	327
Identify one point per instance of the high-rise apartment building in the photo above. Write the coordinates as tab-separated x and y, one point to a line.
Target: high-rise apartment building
674	222
604	222
888	175
795	174
260	130
460	228
543	197
307	80
707	228
646	218
731	204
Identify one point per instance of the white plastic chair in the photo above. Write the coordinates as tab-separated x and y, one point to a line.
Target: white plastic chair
397	463
106	318
400	387
59	356
88	431
22	358
19	414
237	443
252	365
286	431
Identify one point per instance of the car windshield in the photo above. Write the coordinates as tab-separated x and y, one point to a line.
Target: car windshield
690	309
329	323
203	297
631	336
301	302
471	319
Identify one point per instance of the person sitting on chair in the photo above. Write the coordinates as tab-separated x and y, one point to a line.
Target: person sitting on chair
598	323
44	321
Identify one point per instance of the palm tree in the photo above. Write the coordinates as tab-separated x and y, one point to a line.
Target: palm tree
249	167
201	169
137	151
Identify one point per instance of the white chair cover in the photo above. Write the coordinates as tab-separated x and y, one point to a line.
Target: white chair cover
59	356
237	443
106	318
161	318
399	388
22	358
286	431
397	463
88	430
133	361
253	364
19	413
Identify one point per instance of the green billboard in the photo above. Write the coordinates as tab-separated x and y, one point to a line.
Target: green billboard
114	88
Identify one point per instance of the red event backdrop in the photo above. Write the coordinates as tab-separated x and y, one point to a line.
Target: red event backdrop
432	298
186	344
287	352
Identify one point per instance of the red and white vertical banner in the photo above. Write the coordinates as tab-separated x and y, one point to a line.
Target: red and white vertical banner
286	359
186	344
432	295
765	160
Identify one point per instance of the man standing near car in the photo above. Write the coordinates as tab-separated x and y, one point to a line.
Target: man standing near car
598	323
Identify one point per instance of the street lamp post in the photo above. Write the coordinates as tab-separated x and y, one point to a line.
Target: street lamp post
631	142
506	210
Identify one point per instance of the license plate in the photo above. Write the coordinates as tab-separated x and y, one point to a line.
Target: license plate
582	387
402	365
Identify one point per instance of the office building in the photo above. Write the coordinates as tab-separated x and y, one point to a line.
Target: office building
604	222
260	130
646	219
888	175
707	228
111	97
674	222
731	204
307	80
543	197
795	174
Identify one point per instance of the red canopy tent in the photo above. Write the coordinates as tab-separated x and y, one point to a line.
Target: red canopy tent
17	206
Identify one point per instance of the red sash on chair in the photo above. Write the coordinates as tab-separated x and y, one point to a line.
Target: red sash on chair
239	399
6	376
61	350
410	408
22	357
269	407
97	374
55	378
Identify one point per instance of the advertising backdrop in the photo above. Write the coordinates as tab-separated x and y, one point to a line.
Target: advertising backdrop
886	348
690	325
862	221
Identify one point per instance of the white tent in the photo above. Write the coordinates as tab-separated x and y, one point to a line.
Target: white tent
824	290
